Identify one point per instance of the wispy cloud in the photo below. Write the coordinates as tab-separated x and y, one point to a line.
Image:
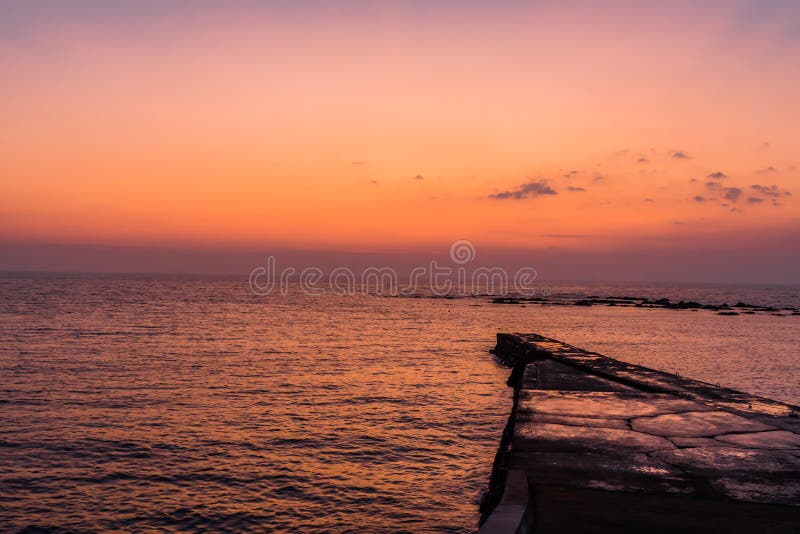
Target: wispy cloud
679	154
733	193
642	160
767	170
574	188
770	191
528	190
719	175
755	200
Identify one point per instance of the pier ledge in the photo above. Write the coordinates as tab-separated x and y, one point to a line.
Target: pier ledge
597	445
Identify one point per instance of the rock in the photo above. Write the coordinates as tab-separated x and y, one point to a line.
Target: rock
505	300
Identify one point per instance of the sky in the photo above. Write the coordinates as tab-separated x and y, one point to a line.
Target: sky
588	133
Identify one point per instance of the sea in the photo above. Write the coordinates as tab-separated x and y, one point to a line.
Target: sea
167	403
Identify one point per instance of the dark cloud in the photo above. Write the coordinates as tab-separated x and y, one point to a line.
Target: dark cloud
570	174
717	175
755	200
642	160
598	178
529	190
733	193
679	154
699	198
770	191
712	185
573	188
419	177
374	182
767	170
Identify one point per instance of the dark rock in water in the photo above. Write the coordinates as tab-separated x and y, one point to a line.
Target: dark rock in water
611	302
505	300
642	302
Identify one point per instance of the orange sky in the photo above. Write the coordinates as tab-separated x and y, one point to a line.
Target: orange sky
388	126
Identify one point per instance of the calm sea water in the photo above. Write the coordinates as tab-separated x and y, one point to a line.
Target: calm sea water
179	403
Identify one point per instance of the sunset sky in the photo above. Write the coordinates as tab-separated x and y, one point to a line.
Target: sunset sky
397	127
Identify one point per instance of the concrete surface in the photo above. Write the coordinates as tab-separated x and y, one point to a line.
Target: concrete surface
606	446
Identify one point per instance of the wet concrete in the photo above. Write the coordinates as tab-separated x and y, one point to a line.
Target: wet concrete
605	446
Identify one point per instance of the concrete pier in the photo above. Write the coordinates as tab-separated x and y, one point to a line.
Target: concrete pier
598	445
